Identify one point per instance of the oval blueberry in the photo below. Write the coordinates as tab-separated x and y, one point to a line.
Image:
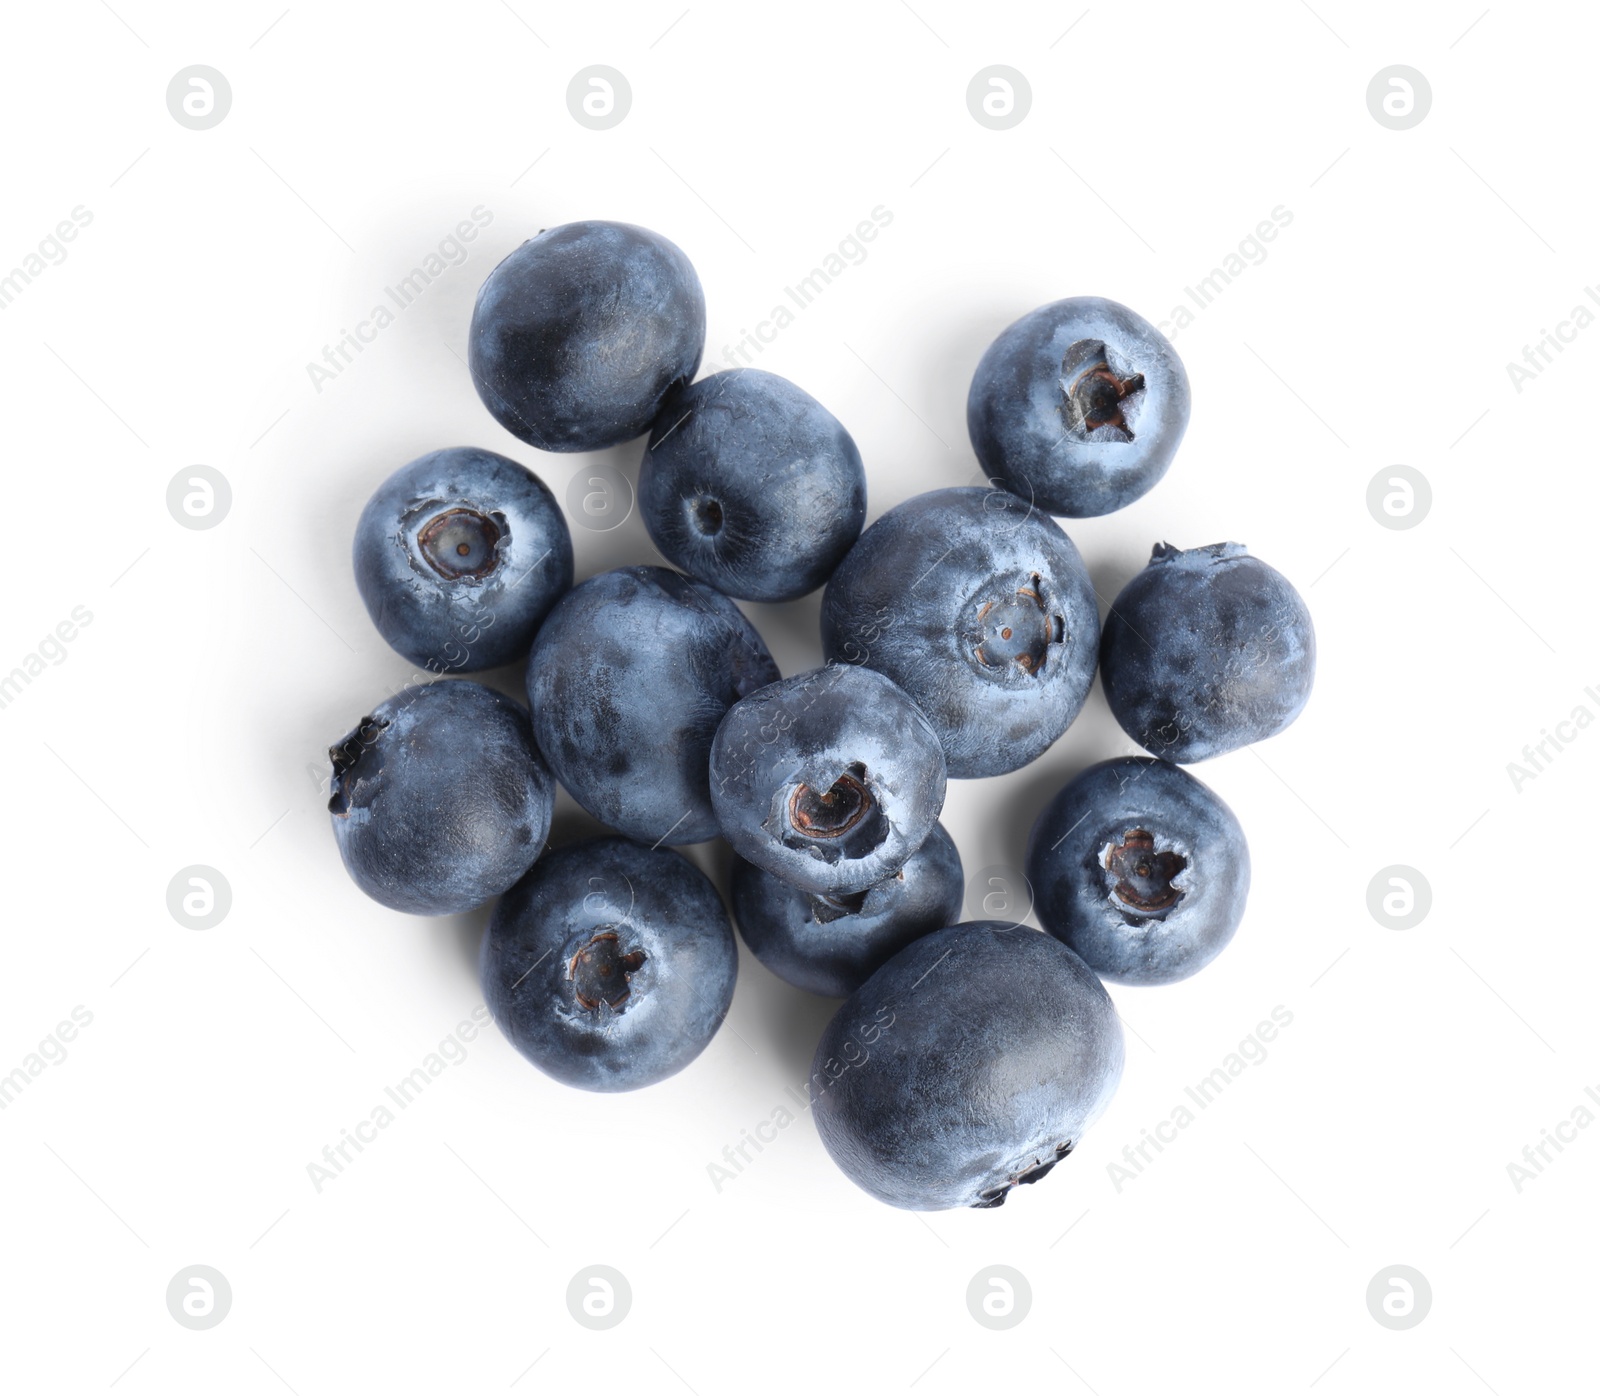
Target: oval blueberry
459	556
610	966
440	800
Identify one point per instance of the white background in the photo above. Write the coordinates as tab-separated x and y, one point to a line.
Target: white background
185	724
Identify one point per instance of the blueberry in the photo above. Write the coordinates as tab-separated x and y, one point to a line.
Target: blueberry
831	944
751	484
980	608
1141	869
628	679
440	800
459	556
830	779
974	1060
1205	651
580	334
1078	407
610	966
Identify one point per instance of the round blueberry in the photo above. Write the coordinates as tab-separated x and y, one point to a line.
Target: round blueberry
751	484
1141	869
1078	407
831	943
580	334
831	779
1205	651
610	966
628	679
440	800
971	1062
981	609
459	556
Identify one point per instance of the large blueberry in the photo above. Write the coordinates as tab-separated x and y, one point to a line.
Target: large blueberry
580	334
831	779
440	800
751	484
1078	407
459	556
1205	651
971	1062
628	679
981	609
1141	869
610	966
831	944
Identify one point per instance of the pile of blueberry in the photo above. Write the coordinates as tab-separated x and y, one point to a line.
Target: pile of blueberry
962	637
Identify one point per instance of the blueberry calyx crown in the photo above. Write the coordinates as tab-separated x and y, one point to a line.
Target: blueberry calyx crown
1017	629
346	756
826	907
845	821
705	515
1216	552
1093	393
1141	875
463	544
996	1197
600	972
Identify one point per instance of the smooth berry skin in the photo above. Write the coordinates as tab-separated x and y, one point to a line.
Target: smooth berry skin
982	610
610	966
1078	407
1205	651
752	485
580	334
440	800
974	1060
1141	869
459	556
830	779
832	945
629	676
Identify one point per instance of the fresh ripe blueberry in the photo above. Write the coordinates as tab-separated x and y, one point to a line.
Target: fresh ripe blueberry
751	484
628	679
1141	869
1078	407
458	557
1205	651
831	944
440	800
971	1062
831	779
980	608
610	966
580	334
